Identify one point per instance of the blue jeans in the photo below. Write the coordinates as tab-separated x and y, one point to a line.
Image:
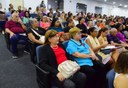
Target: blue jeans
14	40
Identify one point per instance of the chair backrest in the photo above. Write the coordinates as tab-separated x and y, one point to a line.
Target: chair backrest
65	43
33	15
38	53
83	39
110	78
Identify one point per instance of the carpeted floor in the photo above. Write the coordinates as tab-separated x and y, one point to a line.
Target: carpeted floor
15	73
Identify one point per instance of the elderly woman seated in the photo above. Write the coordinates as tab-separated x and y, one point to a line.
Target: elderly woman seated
34	32
53	54
87	60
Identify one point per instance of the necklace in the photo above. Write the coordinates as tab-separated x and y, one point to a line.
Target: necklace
94	39
54	47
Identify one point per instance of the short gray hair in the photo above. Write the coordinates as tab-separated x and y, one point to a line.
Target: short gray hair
32	20
113	30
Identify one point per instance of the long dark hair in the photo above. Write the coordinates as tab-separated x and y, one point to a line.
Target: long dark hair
102	30
28	14
53	22
117	26
91	29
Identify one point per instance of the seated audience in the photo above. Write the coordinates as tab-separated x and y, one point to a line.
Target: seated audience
120	35
121	69
102	24
93	42
87	60
113	39
23	12
45	23
54	54
35	28
19	9
56	25
39	16
82	27
37	10
125	30
90	24
62	18
8	14
70	24
103	38
15	28
103	35
64	37
97	26
50	15
26	18
75	20
42	4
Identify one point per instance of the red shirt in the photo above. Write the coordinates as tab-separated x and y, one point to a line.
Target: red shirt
60	55
15	27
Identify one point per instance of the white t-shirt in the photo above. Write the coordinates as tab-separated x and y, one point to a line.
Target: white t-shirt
75	22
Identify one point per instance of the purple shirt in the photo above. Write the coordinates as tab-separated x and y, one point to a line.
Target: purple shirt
22	14
121	36
115	39
15	27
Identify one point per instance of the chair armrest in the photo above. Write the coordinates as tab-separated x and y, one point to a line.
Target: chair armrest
45	72
7	39
30	41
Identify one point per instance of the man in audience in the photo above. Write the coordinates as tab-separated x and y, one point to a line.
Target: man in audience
16	30
113	39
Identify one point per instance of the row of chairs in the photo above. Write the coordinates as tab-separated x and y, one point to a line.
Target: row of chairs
43	77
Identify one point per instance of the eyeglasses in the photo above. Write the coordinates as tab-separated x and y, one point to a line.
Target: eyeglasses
78	33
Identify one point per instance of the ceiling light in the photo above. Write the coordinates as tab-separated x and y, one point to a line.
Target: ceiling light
105	0
114	2
120	4
125	6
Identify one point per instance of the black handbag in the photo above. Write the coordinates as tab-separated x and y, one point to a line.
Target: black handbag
106	51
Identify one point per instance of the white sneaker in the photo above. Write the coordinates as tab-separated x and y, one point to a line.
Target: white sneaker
15	57
26	52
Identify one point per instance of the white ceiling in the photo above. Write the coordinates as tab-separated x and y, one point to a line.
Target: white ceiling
118	2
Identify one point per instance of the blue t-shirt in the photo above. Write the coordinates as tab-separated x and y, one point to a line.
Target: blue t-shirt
74	46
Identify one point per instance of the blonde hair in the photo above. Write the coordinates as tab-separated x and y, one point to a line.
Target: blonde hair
73	31
49	34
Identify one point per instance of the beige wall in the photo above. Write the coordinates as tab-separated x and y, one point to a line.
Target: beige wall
17	3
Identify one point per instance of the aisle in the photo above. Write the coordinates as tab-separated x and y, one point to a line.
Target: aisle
15	73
